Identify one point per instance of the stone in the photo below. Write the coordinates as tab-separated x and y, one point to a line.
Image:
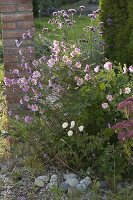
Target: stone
72	182
54	178
82	187
121	185
73	193
66	176
39	183
20	183
103	185
104	197
4	170
86	181
64	187
44	178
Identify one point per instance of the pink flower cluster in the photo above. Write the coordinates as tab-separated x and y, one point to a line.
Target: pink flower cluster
87	71
126	105
28	80
126	124
94	14
124	135
125	127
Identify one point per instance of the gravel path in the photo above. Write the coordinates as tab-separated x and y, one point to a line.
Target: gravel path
16	183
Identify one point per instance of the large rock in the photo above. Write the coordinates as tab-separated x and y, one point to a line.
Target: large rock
84	184
39	183
82	187
53	182
54	178
44	178
66	176
72	182
86	181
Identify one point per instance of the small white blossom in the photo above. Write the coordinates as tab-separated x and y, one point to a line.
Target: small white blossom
70	133
120	92
109	97
65	125
80	81
105	105
72	124
124	69
127	90
109	125
82	8
96	69
81	128
51	62
78	65
4	132
131	68
108	66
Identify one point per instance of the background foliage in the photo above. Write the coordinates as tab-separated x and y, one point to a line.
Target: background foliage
41	4
118	35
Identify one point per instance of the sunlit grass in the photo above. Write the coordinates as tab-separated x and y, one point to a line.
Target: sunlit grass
1	72
4	147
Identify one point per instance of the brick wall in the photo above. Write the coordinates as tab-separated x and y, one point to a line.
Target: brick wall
16	17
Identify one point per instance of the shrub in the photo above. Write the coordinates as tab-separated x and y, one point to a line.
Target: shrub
117	18
47	4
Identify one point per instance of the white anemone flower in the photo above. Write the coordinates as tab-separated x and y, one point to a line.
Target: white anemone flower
127	90
96	69
70	133
105	105
81	128
65	125
72	124
109	97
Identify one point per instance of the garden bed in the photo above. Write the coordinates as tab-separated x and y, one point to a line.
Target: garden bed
84	133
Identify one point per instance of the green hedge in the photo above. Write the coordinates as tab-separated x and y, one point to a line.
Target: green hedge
45	4
119	35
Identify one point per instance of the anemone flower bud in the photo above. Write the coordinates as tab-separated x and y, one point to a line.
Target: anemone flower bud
72	124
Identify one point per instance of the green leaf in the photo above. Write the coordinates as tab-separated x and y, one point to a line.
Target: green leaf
102	86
